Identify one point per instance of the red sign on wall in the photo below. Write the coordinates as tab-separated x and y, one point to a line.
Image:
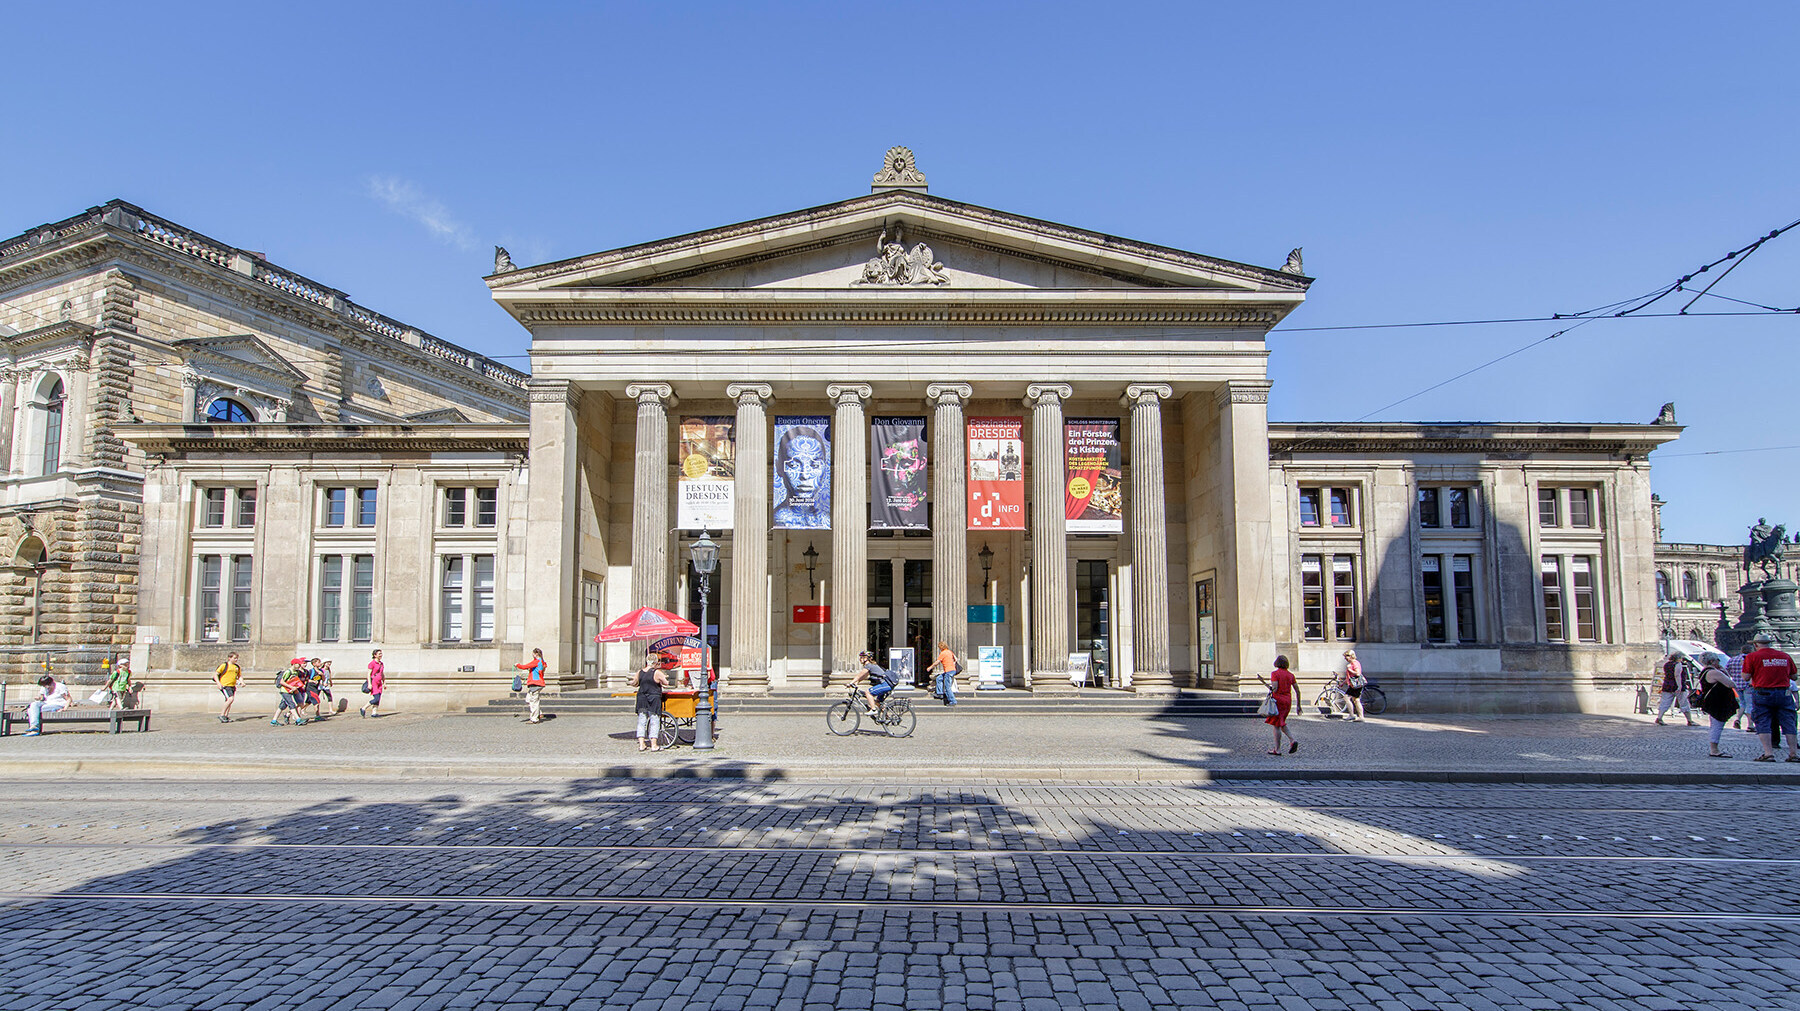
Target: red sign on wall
812	614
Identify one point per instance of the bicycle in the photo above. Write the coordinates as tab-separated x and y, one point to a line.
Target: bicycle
894	715
1333	702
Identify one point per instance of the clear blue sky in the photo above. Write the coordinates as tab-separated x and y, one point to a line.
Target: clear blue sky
1437	162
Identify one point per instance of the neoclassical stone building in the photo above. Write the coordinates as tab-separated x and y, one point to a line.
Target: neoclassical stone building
904	418
178	420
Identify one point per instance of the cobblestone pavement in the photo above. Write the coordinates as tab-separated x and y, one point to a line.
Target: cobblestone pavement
729	894
948	747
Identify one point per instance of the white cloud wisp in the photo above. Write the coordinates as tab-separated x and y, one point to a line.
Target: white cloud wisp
404	197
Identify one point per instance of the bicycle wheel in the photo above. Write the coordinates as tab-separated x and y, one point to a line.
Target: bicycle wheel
1374	701
842	718
669	735
900	719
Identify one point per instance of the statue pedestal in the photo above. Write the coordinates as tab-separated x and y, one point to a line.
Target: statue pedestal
1769	606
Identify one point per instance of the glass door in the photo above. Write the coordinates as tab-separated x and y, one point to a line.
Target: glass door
916	576
1093	618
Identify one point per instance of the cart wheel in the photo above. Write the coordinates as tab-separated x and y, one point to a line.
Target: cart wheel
842	719
669	735
901	719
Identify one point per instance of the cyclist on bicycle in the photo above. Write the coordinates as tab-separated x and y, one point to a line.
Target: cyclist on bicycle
880	679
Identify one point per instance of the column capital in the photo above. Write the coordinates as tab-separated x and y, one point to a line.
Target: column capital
641	392
948	393
190	379
1038	393
749	394
552	391
1146	394
1245	391
856	392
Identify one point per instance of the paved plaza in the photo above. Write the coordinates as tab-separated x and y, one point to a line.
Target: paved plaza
474	862
883	894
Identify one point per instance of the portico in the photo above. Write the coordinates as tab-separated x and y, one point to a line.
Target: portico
913	311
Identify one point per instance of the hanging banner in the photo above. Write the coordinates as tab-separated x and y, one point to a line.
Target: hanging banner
708	455
1094	501
802	485
897	478
996	474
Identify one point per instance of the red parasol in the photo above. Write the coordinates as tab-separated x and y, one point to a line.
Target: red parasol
646	623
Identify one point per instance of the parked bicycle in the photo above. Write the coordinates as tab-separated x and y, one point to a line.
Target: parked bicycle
1333	702
893	715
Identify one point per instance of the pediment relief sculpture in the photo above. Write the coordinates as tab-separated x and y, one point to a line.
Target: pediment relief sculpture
897	265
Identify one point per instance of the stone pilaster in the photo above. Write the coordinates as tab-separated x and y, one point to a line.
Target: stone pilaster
9	399
190	396
949	533
1049	538
849	525
551	525
1149	541
1247	573
750	542
650	572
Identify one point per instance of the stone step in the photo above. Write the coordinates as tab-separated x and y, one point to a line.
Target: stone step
1011	703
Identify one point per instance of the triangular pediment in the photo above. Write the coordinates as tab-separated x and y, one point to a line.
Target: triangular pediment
239	354
891	241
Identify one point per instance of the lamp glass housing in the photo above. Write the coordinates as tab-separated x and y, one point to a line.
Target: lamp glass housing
705	555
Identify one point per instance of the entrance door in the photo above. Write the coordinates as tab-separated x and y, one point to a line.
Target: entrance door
1093	617
916	574
881	609
713	614
907	612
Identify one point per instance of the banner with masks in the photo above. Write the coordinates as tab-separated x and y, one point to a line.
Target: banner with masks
897	474
996	474
708	454
802	461
1094	499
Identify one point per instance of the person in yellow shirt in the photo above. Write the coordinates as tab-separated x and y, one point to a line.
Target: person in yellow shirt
227	678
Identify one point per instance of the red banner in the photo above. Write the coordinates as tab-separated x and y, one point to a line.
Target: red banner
812	614
996	474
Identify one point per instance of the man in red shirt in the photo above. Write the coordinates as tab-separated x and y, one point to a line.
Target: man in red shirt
1771	704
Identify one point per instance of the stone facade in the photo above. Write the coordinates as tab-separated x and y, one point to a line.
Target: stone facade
115	323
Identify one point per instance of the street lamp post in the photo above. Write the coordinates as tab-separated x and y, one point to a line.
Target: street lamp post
705	556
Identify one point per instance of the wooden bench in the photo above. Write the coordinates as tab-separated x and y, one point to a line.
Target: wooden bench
78	714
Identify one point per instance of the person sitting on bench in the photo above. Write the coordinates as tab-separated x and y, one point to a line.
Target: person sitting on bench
53	696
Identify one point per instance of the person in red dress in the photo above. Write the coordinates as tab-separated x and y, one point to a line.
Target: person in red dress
1285	689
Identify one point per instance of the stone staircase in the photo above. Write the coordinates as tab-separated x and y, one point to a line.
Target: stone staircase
1014	702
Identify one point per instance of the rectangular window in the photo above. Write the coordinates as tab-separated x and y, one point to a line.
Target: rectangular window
246	507
1581	580
1429	517
1340	507
487	506
212	507
1432	582
365	507
334	506
1581	507
241	570
456	506
1312	597
451	626
1555	627
1549	509
1461	514
211	574
1462	585
1343	596
362	599
331	597
482	602
1309	507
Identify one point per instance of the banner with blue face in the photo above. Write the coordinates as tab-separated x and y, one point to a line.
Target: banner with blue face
802	460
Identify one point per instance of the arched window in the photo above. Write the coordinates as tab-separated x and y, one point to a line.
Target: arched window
30	561
1690	587
1662	587
53	427
227	410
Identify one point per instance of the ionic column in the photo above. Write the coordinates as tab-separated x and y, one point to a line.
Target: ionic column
950	511
849	526
750	542
650	573
1049	538
551	622
1149	541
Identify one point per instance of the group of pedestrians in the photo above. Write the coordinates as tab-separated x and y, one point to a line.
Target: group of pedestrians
304	685
1759	686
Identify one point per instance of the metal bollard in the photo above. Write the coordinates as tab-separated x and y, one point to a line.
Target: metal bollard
703	722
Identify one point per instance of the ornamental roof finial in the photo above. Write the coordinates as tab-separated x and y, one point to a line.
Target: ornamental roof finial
899	171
